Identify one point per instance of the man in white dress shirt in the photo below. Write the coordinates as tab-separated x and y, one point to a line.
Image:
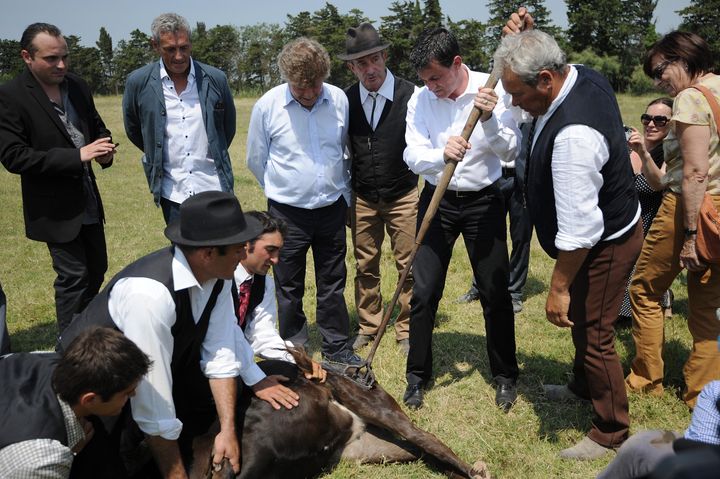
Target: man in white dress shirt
176	304
296	145
181	115
256	305
473	205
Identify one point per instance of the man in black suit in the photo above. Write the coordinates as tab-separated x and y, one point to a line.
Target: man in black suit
50	132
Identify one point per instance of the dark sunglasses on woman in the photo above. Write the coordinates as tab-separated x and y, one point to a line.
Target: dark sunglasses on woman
659	120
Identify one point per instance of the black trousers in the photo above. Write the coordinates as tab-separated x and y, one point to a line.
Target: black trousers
323	230
4	335
80	265
480	218
170	210
520	236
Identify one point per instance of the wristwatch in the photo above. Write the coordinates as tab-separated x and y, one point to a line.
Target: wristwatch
689	232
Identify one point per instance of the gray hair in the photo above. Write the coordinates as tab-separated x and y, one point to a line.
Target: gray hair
168	22
527	53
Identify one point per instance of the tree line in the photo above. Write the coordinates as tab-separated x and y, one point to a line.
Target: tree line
608	35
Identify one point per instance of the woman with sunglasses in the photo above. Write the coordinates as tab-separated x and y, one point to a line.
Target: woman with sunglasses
692	155
649	147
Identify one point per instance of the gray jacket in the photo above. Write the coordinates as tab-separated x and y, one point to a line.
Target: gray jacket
145	117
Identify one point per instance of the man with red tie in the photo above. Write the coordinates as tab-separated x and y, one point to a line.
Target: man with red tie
256	306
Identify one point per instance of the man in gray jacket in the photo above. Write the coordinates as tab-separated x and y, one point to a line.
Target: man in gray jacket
181	114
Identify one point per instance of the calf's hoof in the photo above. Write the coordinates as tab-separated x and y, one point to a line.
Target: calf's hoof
479	471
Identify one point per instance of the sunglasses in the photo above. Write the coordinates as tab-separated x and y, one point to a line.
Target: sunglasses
659	120
658	71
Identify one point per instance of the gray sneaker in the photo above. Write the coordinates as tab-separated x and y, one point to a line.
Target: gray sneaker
404	345
362	340
517	305
560	393
585	450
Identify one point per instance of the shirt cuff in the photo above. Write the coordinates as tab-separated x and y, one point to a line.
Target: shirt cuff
252	375
169	429
490	126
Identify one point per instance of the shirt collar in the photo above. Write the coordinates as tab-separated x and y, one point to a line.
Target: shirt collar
471	87
289	98
75	432
183	277
241	274
387	89
564	91
164	74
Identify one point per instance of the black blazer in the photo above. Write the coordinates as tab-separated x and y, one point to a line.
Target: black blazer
35	144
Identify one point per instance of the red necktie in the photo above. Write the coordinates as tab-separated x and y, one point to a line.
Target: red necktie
243	300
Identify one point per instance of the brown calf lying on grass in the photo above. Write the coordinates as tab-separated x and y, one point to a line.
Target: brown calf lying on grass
336	419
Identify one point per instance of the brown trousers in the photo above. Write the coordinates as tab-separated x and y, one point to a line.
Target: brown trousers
368	222
595	297
656	269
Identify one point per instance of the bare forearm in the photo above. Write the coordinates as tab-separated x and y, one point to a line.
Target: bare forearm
651	172
566	267
224	391
692	195
557	305
167	457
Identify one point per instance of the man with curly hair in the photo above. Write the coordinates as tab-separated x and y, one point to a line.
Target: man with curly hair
295	149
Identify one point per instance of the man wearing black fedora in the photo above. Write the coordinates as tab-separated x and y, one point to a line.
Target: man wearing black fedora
176	305
385	195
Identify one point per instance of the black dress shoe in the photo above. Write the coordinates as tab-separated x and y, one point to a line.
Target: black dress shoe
413	397
344	357
505	396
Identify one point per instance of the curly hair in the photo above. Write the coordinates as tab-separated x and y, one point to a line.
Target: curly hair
303	62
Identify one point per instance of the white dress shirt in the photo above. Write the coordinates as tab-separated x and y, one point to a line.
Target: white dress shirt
144	311
296	154
261	323
187	166
431	121
385	92
579	153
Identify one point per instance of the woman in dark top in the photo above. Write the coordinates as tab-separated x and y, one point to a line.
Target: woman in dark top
656	125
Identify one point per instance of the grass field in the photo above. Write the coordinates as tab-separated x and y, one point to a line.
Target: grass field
460	408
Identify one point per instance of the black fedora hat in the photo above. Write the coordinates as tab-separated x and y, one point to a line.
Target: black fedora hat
212	218
361	41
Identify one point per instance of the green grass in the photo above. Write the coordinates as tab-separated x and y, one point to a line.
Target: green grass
459	409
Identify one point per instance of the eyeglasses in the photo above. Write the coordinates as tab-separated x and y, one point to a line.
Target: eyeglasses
659	120
658	71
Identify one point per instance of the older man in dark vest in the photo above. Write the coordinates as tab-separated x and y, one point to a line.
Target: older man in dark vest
176	305
586	215
385	194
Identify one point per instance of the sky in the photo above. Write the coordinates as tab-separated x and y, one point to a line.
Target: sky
120	17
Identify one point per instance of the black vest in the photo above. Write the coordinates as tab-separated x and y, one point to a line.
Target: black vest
29	408
591	102
378	169
257	293
191	389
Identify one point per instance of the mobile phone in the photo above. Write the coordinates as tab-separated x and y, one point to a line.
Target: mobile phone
628	132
